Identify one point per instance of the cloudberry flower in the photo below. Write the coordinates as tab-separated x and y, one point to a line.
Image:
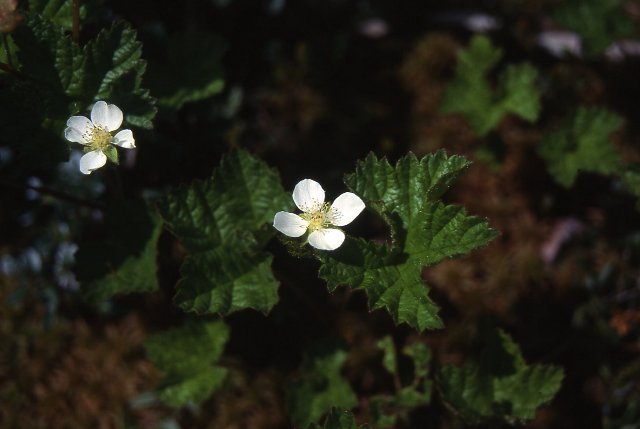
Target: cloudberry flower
95	135
318	217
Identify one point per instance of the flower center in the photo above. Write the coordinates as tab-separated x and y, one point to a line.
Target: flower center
99	139
318	219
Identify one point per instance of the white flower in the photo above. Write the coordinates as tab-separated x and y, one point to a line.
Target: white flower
95	134
317	217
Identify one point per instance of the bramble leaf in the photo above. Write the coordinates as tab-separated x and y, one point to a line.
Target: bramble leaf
424	232
389	354
222	222
57	79
320	387
125	260
499	385
582	144
384	409
225	280
471	94
114	72
56	11
599	22
188	355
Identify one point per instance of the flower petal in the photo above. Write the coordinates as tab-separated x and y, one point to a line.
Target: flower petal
345	209
106	116
308	195
82	125
326	239
92	161
124	139
290	224
73	135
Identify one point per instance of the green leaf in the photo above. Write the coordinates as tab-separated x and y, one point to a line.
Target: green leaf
582	144
421	355
338	419
384	409
471	93
224	222
114	71
500	385
56	11
192	71
125	260
389	354
36	100
57	77
599	22
188	355
424	232
518	92
48	55
408	186
225	280
381	411
320	387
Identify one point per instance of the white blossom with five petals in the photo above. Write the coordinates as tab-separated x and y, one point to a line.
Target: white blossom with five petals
95	134
318	217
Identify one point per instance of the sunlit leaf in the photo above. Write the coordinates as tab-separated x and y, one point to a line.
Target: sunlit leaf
223	222
424	232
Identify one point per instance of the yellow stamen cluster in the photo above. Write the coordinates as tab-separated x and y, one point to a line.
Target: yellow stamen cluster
98	138
318	219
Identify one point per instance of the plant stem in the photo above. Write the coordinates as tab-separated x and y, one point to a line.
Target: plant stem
75	20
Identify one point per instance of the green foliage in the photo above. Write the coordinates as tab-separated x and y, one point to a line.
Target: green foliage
338	419
56	11
56	78
471	94
424	232
389	356
320	386
582	144
223	223
188	356
599	22
114	71
499	385
33	124
125	260
192	72
385	409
